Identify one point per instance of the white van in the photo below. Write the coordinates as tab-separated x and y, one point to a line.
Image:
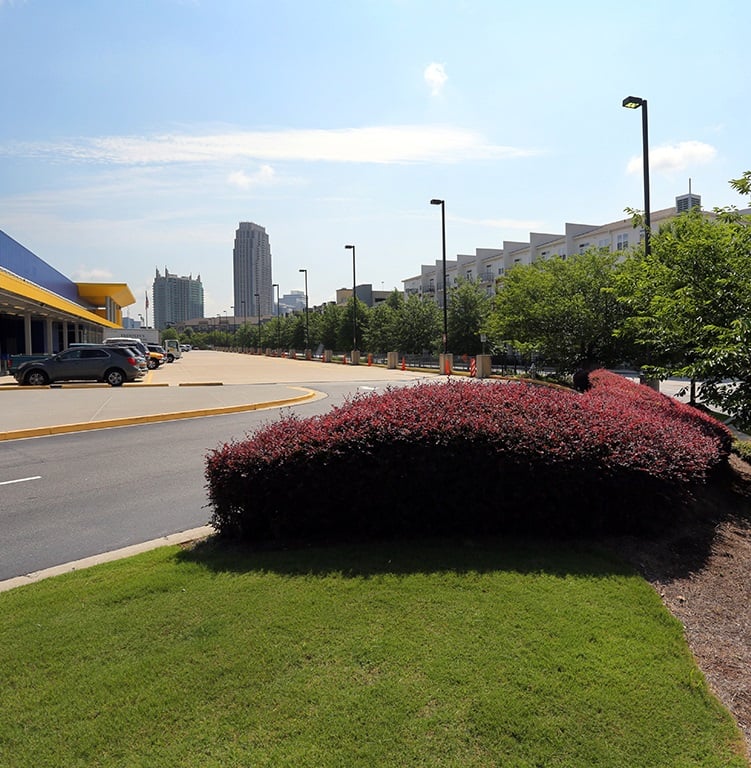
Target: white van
172	348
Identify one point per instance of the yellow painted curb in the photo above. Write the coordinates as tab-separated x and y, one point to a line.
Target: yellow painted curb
60	429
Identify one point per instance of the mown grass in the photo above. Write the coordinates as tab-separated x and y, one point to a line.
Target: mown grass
431	654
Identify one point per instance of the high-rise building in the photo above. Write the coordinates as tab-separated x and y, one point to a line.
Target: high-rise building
251	263
176	299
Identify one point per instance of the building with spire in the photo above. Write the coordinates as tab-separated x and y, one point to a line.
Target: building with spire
251	264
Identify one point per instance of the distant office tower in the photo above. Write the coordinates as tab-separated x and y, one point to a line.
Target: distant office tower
176	299
251	262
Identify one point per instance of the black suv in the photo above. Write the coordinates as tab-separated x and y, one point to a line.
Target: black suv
113	365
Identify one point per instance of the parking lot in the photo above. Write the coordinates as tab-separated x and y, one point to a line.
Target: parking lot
201	382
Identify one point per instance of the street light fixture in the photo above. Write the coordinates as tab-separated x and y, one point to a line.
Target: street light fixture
307	318
442	203
636	102
278	326
354	299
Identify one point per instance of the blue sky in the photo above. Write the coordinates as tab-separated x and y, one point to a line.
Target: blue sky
136	135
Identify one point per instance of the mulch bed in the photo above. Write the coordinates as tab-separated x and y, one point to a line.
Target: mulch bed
701	573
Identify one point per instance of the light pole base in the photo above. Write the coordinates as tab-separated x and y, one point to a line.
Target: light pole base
446	363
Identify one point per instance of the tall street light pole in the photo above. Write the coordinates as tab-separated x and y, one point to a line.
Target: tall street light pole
635	102
354	299
442	203
245	321
307	319
258	309
278	326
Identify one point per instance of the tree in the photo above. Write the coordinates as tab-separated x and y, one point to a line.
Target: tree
564	309
686	299
382	328
742	185
418	326
468	309
330	326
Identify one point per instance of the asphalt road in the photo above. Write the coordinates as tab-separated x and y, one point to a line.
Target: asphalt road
72	496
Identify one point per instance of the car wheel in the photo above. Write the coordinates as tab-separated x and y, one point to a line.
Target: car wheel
114	377
36	379
152	364
170	358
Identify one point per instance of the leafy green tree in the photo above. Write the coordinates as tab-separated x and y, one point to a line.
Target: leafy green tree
169	333
381	332
564	309
468	310
684	298
742	185
419	326
345	333
690	304
331	323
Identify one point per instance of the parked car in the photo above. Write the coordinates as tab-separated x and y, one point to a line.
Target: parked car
157	356
151	361
185	347
113	365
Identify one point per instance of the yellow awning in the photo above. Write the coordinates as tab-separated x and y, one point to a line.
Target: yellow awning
28	291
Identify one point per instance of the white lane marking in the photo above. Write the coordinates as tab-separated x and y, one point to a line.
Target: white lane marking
20	480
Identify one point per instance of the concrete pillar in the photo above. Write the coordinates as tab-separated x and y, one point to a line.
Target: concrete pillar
327	355
27	333
445	363
483	366
355	357
48	340
392	360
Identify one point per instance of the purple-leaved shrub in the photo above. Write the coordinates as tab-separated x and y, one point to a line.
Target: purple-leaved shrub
465	456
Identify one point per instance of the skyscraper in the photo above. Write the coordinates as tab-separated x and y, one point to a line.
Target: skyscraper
251	263
176	299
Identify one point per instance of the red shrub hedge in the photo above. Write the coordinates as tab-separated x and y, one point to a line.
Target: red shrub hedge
467	457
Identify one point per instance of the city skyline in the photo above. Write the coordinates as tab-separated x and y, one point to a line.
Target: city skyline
150	129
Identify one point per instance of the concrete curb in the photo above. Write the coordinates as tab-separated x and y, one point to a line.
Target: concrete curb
107	557
127	421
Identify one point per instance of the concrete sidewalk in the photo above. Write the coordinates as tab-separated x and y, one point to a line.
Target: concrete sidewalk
200	383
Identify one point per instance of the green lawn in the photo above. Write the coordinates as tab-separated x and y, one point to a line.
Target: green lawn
377	655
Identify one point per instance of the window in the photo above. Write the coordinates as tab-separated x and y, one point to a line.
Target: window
71	354
87	354
622	242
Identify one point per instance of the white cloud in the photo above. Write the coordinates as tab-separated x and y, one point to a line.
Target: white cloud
378	144
675	157
264	175
436	77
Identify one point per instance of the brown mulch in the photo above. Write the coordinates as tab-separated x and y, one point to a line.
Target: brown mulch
701	573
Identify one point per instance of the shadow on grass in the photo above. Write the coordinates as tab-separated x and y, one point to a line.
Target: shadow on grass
363	559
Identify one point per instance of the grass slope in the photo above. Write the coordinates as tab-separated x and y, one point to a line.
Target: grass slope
377	655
